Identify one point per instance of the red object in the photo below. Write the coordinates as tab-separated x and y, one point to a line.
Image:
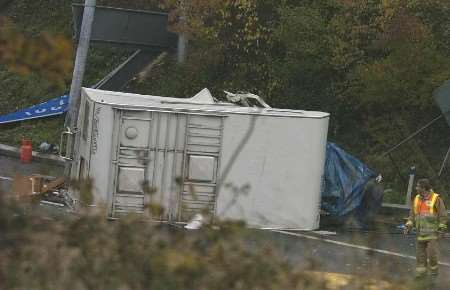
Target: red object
26	151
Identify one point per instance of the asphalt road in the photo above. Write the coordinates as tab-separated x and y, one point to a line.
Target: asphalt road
10	167
383	252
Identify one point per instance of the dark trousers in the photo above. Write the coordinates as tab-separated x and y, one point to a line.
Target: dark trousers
426	256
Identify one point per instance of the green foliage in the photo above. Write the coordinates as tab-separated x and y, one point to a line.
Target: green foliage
302	62
436	15
35	17
50	56
37	131
372	64
31	73
230	39
394	91
89	252
34	74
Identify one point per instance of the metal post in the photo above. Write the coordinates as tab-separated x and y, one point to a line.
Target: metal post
182	45
78	72
182	39
412	174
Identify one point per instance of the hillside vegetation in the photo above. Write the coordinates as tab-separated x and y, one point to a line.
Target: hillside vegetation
372	64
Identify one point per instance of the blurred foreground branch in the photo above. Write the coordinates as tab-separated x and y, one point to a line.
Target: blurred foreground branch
49	56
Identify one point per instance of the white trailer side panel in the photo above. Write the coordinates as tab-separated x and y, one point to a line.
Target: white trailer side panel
282	162
81	167
101	148
134	139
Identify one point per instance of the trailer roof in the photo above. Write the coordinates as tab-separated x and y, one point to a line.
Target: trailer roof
198	104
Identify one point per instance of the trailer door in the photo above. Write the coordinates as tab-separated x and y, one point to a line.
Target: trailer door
130	159
176	154
204	135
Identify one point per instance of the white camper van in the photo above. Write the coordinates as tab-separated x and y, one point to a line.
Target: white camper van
196	152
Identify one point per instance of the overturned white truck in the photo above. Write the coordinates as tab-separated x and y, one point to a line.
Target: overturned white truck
197	152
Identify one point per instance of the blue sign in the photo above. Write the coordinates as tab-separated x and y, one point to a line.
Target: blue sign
56	106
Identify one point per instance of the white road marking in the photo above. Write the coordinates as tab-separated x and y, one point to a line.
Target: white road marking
5	178
353	246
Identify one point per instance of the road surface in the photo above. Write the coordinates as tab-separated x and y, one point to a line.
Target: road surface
383	251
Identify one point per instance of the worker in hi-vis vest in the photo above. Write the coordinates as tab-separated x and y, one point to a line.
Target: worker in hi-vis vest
429	216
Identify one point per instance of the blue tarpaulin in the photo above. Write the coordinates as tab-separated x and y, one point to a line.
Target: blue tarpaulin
345	179
53	107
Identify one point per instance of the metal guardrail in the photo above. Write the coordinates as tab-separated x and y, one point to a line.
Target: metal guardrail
399	207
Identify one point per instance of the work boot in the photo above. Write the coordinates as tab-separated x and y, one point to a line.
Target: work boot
420	272
434	271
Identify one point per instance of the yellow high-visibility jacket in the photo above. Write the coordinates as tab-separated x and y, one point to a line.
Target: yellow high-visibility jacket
428	215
